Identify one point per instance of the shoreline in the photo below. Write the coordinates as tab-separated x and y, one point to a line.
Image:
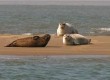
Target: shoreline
100	45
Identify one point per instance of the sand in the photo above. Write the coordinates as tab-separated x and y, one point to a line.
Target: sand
100	45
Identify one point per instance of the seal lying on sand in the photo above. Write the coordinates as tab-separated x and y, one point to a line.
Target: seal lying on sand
75	39
34	41
65	28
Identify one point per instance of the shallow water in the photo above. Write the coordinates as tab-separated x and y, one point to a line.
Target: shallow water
87	67
17	19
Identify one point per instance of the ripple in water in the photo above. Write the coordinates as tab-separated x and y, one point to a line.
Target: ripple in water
54	67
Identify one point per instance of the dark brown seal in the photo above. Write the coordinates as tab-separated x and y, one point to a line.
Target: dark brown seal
34	41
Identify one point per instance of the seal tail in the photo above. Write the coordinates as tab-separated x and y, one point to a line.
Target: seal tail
89	41
11	44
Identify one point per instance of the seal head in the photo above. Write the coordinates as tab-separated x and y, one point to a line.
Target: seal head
69	40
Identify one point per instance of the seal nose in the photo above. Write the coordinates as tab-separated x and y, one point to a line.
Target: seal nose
62	27
66	37
47	36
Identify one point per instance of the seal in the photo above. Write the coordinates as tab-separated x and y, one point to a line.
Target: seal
75	39
35	41
65	28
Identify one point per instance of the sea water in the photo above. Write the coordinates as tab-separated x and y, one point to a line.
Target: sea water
34	19
85	67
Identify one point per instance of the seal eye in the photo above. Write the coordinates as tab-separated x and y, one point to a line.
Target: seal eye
36	37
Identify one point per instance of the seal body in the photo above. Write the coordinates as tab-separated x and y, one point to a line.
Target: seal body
75	39
65	28
34	41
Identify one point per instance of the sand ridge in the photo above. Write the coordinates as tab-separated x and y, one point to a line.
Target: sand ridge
100	45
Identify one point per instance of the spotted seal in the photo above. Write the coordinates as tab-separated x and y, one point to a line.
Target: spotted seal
75	39
65	28
35	41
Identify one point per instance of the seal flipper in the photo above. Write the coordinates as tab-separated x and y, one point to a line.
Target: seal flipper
89	41
13	44
36	37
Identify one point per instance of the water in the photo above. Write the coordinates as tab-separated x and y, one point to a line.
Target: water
19	19
55	67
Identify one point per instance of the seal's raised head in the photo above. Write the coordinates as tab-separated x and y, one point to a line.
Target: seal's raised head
67	39
47	37
62	25
44	40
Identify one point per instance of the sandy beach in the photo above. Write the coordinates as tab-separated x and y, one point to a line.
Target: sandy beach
100	45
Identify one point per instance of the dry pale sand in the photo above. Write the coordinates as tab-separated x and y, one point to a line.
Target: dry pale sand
100	45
